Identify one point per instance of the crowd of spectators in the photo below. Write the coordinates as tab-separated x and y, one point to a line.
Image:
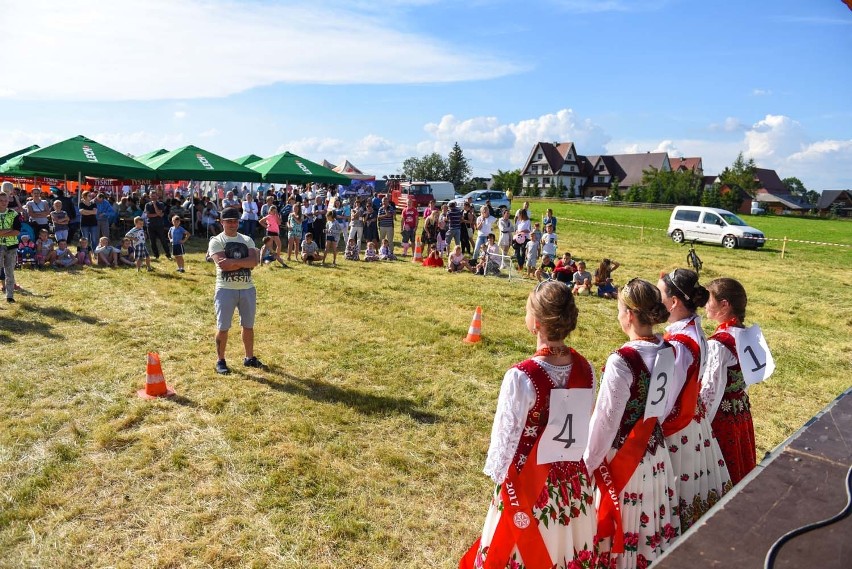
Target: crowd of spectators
311	224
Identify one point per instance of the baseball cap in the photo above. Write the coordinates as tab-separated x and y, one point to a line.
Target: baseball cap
230	213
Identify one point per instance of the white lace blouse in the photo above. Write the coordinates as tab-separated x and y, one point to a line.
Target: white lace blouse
715	377
517	396
612	401
683	357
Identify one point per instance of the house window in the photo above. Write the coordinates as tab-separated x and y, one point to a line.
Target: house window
545	181
539	156
569	157
532	170
600	167
533	181
572	168
600	179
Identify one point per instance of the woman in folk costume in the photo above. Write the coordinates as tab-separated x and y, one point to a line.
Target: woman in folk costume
636	488
697	462
723	389
542	514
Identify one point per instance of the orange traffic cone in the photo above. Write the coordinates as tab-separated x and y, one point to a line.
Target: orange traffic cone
418	252
474	333
155	383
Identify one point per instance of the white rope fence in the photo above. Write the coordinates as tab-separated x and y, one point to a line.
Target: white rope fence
643	228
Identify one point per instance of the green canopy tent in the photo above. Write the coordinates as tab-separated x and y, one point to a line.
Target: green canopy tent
193	163
248	159
148	155
19	172
78	156
288	167
18	153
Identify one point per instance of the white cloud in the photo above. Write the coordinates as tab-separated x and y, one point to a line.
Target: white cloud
761	92
210	132
373	143
180	115
314	147
775	136
776	142
12	140
217	48
731	124
140	142
507	145
137	142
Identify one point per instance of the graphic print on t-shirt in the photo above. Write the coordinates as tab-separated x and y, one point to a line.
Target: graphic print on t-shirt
236	250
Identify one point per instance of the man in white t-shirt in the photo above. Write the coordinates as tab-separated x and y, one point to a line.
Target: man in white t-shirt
235	256
484	223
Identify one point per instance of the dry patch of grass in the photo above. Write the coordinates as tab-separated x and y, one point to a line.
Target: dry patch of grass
361	445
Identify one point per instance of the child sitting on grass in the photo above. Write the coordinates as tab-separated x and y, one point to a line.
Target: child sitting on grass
456	262
269	252
84	252
107	254
433	259
385	253
64	257
352	252
44	249
310	250
545	271
125	253
582	280
371	254
489	258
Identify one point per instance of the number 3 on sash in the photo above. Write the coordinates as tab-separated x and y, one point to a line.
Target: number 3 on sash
567	433
661	381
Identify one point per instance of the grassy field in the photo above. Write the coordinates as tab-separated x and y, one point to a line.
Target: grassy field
362	445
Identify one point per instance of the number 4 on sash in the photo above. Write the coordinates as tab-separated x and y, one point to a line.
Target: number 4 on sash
568	426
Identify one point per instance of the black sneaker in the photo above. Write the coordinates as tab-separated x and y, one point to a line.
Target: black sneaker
253	362
222	367
13	300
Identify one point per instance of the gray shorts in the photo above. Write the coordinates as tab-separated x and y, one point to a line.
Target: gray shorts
226	300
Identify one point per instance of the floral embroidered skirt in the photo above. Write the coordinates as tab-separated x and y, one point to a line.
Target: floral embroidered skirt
735	433
648	511
567	520
700	471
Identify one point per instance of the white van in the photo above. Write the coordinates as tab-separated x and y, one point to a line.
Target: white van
712	225
442	192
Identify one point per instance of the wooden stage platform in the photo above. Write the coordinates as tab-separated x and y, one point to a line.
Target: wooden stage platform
800	482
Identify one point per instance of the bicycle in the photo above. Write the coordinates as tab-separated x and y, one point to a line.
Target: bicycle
692	258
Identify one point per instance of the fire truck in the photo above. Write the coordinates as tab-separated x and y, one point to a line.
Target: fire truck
401	190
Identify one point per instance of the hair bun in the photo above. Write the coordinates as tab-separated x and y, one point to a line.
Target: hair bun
659	313
700	296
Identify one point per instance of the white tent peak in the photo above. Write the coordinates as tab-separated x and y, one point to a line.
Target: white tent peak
349	169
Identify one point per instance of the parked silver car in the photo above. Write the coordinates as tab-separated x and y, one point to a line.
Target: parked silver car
498	200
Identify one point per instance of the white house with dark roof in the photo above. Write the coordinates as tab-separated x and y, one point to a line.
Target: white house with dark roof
554	164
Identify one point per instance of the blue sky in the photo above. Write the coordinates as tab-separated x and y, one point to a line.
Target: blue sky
379	81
